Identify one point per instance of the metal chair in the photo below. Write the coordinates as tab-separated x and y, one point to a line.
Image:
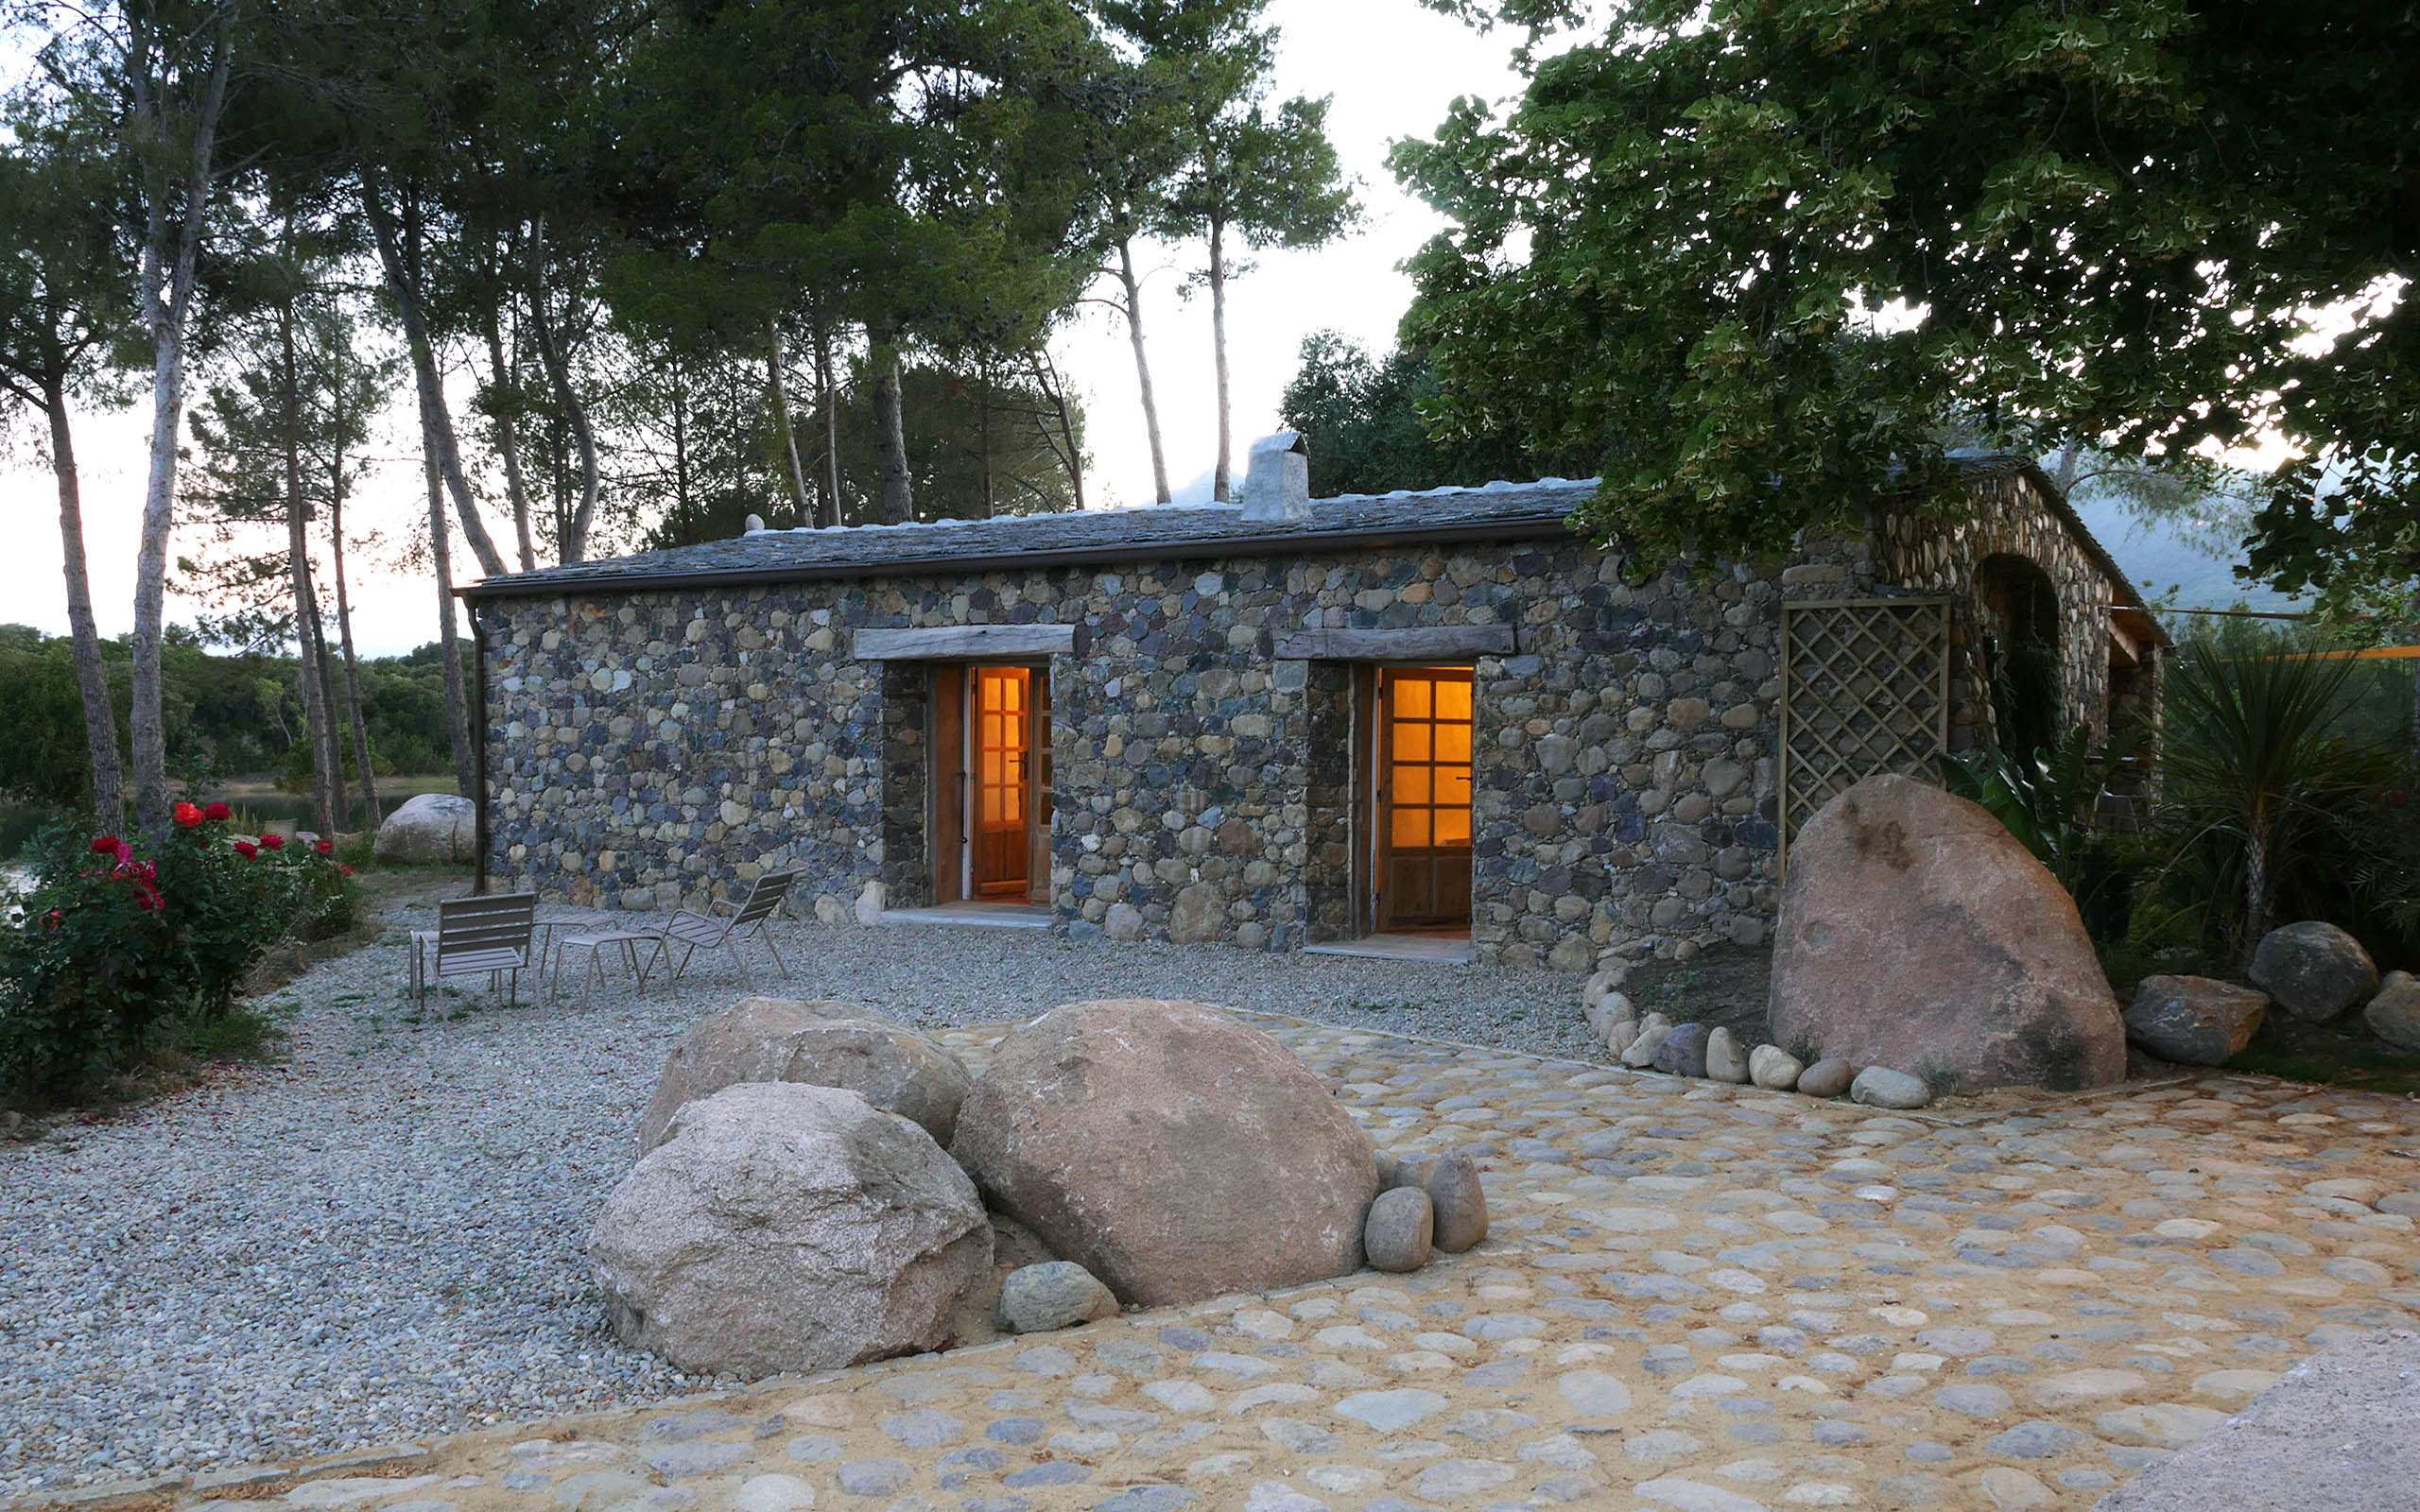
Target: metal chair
477	935
695	931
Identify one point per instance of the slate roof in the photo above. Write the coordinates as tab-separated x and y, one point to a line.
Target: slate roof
1499	511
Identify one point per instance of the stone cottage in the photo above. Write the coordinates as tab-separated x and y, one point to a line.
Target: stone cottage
1437	722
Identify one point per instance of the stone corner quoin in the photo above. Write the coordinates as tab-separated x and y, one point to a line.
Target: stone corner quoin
651	747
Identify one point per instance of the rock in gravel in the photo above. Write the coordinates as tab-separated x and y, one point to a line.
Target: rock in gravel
1607	1011
1773	1069
786	1227
1915	929
1458	1201
1057	1294
1401	1231
1725	1059
1621	1035
1683	1051
1881	1087
2312	969
1172	1151
2194	1021
1828	1077
820	1043
2394	1015
1641	1053
430	829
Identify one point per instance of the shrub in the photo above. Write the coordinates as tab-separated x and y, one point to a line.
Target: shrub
110	945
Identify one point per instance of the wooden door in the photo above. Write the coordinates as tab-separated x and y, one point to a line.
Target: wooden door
1423	809
1037	846
947	823
1001	718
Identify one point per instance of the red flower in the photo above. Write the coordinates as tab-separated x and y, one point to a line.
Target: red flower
51	920
326	847
273	842
247	850
344	871
105	845
217	811
150	902
188	816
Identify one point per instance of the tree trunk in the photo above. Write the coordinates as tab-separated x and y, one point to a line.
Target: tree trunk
508	445
437	424
326	769
803	513
1220	476
983	440
457	721
1143	372
898	498
827	399
575	538
361	759
1070	453
92	677
167	300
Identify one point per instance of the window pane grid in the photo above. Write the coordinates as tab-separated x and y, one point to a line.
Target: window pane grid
1429	750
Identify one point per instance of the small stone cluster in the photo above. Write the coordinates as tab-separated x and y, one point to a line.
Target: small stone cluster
2310	970
1427	1204
1653	1041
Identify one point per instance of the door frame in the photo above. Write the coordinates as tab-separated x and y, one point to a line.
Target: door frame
950	762
1368	838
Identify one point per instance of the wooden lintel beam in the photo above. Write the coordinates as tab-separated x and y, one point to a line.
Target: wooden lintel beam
948	642
1419	642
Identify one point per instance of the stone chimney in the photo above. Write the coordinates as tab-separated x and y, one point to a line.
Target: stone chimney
1277	482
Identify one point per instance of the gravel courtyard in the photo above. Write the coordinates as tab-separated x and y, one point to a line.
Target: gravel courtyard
379	1237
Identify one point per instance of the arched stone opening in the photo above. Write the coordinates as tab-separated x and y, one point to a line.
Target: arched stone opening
2021	653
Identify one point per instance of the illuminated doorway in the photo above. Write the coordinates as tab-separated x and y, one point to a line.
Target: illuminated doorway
1421	800
991	808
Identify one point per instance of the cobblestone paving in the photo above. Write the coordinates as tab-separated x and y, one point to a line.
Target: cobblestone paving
1695	1299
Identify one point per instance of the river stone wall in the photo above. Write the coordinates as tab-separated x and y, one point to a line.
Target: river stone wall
654	749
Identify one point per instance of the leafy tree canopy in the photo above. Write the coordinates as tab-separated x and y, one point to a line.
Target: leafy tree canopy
1363	417
1760	256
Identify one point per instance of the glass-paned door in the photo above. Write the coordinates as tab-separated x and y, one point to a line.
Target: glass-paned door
1002	729
1423	798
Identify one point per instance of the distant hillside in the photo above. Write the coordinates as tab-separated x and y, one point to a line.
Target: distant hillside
2197	558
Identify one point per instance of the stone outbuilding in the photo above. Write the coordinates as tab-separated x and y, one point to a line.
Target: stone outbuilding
1432	722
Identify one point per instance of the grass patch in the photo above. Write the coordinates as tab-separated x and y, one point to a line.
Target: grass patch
2337	1061
240	1034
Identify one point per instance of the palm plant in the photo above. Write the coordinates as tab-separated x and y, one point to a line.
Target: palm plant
2261	779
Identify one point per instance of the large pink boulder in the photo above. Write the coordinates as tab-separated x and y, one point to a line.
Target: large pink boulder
1170	1150
819	1042
1917	933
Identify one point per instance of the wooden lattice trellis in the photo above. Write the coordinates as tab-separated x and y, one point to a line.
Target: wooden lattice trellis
1864	690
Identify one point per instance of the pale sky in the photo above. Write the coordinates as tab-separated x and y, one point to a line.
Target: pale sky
1392	67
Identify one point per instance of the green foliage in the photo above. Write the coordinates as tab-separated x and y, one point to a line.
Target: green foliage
2051	801
2270	804
227	714
1763	259
112	947
1363	416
